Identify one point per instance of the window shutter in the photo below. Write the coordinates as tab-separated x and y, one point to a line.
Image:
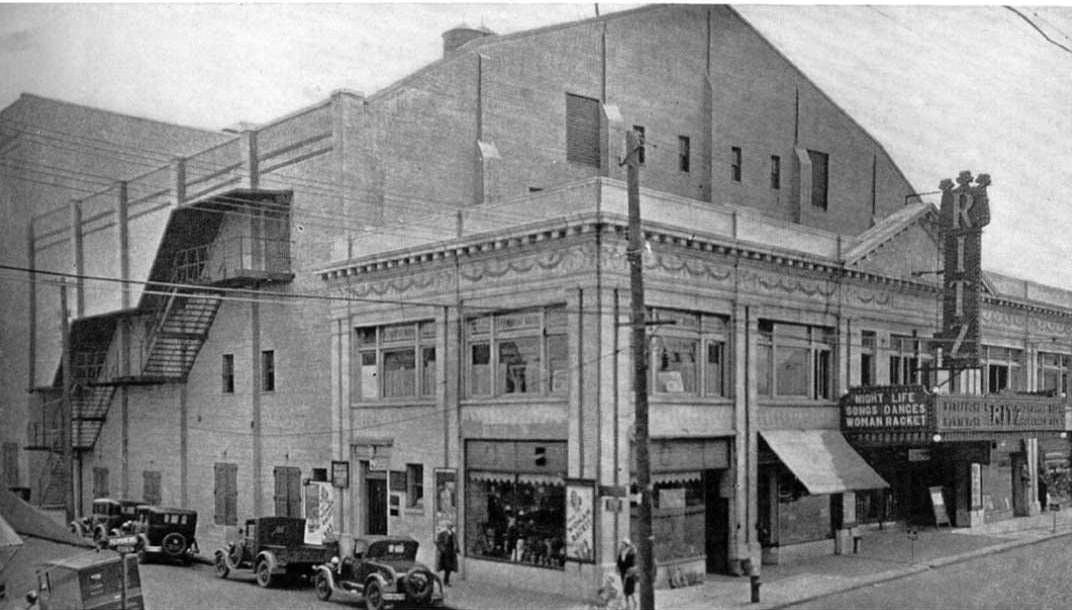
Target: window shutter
582	130
232	494
280	496
294	492
221	494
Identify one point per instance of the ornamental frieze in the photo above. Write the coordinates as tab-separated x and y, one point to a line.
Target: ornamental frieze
1047	326
998	318
784	285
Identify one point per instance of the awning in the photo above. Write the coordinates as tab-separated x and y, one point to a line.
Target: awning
823	460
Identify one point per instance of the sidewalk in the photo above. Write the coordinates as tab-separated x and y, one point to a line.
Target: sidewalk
884	555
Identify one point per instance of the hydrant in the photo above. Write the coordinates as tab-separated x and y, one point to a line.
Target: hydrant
753	578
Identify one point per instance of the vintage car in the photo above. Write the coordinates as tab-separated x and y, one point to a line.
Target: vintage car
162	532
271	547
379	570
94	579
105	518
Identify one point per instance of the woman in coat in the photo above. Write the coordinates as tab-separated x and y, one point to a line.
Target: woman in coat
447	545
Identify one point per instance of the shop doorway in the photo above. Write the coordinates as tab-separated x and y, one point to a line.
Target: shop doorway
1020	481
716	523
376	506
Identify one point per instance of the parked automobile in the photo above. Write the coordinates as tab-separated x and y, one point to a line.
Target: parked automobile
271	547
163	532
106	516
379	570
94	579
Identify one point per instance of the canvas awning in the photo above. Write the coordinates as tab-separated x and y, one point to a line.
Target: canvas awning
823	461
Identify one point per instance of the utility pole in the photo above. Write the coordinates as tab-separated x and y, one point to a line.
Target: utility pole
635	257
66	419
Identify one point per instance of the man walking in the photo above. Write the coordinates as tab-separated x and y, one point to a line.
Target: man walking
447	545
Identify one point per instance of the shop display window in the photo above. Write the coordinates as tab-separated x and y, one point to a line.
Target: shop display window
516	517
678	519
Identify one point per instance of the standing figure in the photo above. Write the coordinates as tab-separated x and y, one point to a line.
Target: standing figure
628	571
447	545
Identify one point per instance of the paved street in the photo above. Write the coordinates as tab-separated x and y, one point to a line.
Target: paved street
1034	576
178	587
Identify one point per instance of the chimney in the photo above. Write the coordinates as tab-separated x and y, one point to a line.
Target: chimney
454	38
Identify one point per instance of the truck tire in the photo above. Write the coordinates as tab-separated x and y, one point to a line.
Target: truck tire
264	574
222	569
323	587
374	595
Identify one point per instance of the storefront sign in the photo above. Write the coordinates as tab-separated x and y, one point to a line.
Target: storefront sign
446	498
580	521
965	211
340	474
998	413
886	408
919	455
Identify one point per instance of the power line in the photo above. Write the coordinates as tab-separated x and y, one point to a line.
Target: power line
1039	30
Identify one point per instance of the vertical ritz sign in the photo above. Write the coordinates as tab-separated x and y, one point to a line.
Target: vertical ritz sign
965	211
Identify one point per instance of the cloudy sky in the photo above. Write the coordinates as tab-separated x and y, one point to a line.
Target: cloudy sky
983	88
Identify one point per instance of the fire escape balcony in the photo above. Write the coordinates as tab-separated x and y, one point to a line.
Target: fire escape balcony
234	262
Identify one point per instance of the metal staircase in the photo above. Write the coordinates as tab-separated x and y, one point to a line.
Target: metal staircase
177	334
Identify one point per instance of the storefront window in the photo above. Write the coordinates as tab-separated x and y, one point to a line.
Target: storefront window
395	361
516	502
688	353
794	361
678	519
525	349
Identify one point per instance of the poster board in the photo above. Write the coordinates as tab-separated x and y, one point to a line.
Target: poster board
580	520
446	498
938	503
320	500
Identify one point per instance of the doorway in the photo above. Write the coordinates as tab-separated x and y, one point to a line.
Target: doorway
376	505
716	523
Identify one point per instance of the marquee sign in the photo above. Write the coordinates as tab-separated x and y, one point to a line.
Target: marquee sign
965	211
881	408
999	413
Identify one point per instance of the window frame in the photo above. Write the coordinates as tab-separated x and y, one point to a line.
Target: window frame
583	148
910	361
820	189
416	337
736	163
641	152
705	331
489	333
1010	361
776	172
1061	366
227	373
415	486
684	154
818	344
268	370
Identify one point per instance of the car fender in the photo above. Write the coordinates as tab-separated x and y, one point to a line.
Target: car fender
226	552
385	585
273	563
328	574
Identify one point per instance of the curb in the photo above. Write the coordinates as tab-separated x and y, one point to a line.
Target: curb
891	575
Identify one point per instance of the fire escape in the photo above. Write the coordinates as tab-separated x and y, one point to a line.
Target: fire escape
200	257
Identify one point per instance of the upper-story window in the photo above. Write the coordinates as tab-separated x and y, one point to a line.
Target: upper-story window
640	155
395	361
910	361
227	373
688	354
268	370
1003	369
1053	372
868	347
517	353
794	361
820	174
683	153
582	130
735	163
775	172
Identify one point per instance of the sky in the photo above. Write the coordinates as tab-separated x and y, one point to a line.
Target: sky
943	88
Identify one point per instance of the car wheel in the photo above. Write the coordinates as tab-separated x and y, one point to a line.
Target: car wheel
419	584
174	544
264	574
323	587
76	529
374	595
222	569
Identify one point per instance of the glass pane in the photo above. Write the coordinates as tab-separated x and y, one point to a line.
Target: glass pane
366	336
428	371
714	372
822	374
791	371
763	370
480	369
399	373
558	363
675	366
370	388
516	521
519	366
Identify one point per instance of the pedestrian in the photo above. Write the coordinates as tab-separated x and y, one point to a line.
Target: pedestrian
447	545
627	569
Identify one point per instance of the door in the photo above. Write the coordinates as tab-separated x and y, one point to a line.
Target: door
1021	478
287	491
377	505
716	523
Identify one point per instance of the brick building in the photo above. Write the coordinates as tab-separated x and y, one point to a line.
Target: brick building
426	289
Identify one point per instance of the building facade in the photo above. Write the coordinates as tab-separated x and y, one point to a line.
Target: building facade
421	297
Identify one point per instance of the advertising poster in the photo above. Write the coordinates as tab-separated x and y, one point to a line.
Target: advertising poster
319	511
446	498
580	521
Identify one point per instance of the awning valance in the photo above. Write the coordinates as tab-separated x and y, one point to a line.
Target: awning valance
823	461
672	478
491	476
